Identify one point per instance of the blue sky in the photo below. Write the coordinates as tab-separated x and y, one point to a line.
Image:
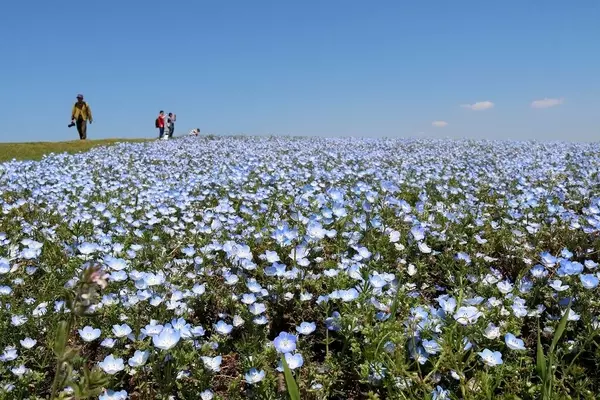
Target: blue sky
328	68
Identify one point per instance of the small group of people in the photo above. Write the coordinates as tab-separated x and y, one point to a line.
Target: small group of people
165	123
82	114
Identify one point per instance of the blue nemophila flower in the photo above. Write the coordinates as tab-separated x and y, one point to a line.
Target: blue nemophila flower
491	358
89	334
183	327
197	331
112	395
293	361
118	276
389	347
10	353
480	240
277	269
418	233
112	365
30	270
121	330
260	320
333	323
439	393
566	253
153	328
116	264
237	321
568	268
468	345
19	371
212	363
573	316
467	315
513	342
588	281
18	320
257	308
223	328
4	266
271	256
331	273
189	251
505	287
423	248
254	376
377	281
464	257
306	328
447	303
557	285
206	395
88	248
30	254
139	358
492	331
525	285
377	372
285	342
348	295
548	259
109	343
253	286
167	338
199	289
28	343
431	346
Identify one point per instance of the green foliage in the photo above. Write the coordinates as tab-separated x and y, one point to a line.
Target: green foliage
35	151
290	382
80	298
545	364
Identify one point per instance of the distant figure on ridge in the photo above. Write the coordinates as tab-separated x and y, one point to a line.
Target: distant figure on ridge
160	124
171	118
81	114
195	132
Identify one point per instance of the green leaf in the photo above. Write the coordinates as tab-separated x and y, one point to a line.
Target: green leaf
540	359
60	340
69	354
290	382
561	328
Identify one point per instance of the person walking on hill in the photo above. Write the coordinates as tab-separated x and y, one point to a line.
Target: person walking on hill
81	114
171	118
160	124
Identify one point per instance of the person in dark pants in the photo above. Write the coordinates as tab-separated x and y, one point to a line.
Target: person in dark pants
81	114
160	124
171	118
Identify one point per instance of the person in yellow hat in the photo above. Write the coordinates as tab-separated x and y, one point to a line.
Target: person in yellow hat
81	114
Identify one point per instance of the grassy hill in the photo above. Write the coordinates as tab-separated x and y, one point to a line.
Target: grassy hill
36	150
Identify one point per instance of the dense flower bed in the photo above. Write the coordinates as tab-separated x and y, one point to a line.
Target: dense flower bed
376	268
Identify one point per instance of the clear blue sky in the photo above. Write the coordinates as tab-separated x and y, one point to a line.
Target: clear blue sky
327	67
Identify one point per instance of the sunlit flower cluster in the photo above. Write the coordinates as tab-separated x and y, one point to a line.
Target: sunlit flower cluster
402	268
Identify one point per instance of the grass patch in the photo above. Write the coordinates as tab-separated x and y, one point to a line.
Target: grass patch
36	150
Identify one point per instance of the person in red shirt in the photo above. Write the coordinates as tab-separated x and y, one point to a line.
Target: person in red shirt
160	124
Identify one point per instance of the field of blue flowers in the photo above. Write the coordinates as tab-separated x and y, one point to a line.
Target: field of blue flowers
277	268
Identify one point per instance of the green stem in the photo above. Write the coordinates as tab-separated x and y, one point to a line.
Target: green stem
57	373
